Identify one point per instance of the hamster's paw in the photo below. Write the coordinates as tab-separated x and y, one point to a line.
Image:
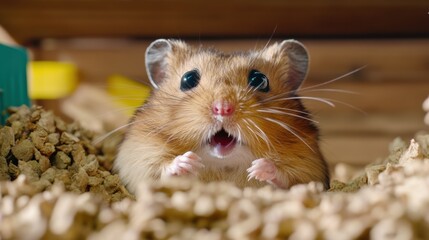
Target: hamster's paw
264	170
188	163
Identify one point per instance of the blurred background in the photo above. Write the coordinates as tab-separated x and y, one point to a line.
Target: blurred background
87	58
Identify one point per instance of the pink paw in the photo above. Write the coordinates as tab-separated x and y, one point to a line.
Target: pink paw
188	163
262	170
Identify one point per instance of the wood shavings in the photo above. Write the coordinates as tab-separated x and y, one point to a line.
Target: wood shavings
83	199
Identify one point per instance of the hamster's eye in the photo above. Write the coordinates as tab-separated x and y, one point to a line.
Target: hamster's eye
259	81
190	80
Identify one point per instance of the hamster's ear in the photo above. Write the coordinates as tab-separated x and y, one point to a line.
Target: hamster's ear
293	57
298	62
156	60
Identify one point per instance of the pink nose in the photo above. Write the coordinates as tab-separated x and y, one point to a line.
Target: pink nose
223	108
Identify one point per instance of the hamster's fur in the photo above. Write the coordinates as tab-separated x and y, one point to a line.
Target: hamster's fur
274	140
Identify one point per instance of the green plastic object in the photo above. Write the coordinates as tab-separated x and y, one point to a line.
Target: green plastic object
13	79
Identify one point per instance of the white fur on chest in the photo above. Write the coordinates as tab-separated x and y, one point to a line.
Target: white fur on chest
240	157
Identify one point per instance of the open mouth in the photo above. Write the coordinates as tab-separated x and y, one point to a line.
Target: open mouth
222	143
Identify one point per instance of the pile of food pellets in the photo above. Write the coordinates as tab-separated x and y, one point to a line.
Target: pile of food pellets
57	185
45	149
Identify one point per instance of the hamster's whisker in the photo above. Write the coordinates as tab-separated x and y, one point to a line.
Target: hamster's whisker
104	136
347	105
263	135
245	95
330	90
116	110
271	38
254	57
331	102
252	131
318	99
248	90
260	52
274	111
239	137
313	88
259	132
179	134
289	129
280	97
127	98
277	96
256	104
157	130
334	80
290	110
254	89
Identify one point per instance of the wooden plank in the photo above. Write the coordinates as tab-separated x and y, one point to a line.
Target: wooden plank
355	150
29	20
341	124
385	60
391	97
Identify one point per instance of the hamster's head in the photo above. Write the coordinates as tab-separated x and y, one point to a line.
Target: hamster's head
215	100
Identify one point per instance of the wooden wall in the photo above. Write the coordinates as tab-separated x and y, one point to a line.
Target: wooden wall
390	38
35	19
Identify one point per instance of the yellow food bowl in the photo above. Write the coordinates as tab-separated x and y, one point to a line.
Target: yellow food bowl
51	80
127	93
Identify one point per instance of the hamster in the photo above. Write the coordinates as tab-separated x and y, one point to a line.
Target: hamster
223	117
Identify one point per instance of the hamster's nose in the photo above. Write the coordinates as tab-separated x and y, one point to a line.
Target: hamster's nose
223	108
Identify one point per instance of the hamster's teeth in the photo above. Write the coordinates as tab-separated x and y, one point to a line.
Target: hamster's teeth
219	118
